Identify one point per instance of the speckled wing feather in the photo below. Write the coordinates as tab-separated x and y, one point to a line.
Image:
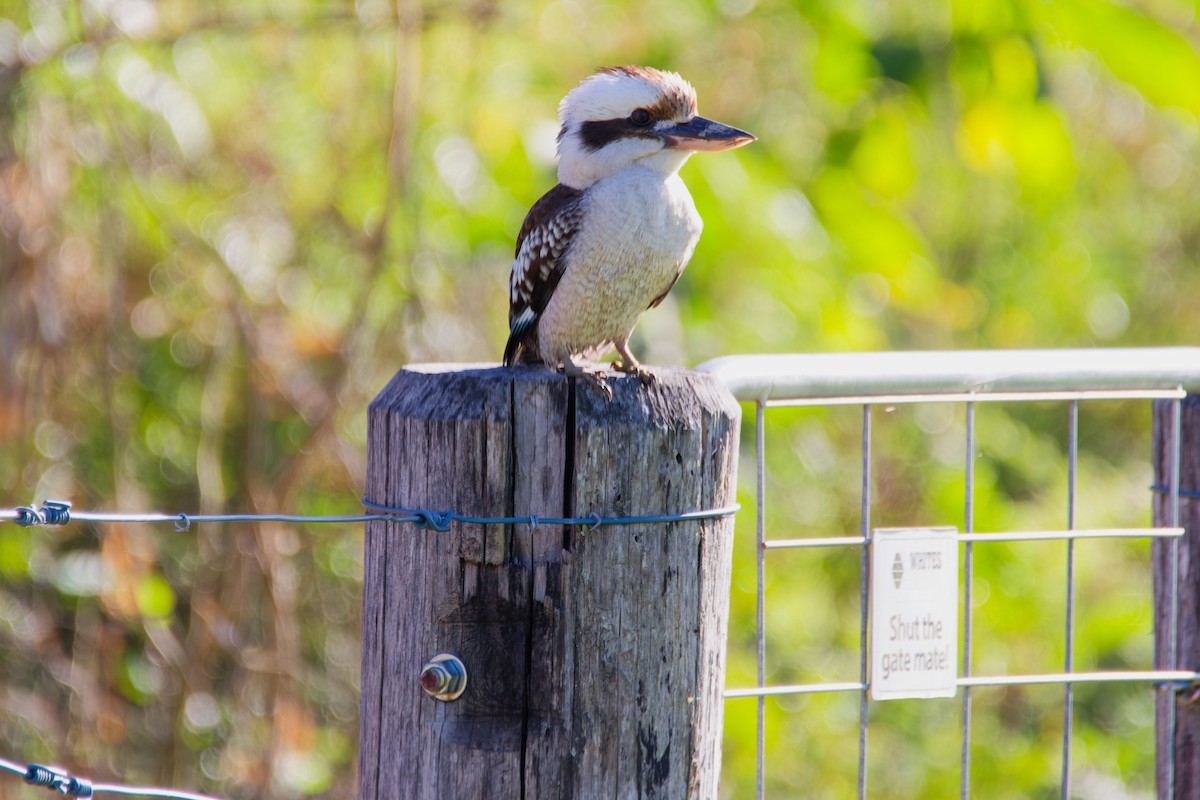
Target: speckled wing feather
542	247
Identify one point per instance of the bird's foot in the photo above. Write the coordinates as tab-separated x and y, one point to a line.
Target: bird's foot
632	367
596	377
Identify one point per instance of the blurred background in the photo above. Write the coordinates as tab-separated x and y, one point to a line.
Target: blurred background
224	225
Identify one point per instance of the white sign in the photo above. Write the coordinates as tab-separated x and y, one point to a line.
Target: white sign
914	613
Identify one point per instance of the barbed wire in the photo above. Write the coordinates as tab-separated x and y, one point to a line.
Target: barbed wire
59	512
58	780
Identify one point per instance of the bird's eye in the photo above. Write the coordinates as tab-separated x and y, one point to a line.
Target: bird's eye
641	117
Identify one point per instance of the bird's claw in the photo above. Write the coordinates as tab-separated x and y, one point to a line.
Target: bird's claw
597	379
634	368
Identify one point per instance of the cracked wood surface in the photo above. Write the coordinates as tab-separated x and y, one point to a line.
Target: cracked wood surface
595	658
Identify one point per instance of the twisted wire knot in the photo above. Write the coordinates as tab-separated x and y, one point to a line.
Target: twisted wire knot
51	512
56	512
29	516
57	780
433	520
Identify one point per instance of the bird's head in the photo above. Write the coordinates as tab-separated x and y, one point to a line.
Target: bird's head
622	116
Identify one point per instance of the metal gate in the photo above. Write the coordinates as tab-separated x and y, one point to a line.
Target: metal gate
968	379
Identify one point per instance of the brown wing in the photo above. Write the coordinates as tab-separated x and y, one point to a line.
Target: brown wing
540	259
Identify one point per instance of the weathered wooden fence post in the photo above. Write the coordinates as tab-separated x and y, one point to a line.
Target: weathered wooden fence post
1182	754
595	658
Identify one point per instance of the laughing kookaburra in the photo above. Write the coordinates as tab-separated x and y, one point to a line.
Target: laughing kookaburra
610	240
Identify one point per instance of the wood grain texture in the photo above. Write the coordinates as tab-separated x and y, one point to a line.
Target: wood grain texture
1184	749
596	658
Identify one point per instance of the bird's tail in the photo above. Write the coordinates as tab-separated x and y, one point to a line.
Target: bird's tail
512	349
520	351
522	339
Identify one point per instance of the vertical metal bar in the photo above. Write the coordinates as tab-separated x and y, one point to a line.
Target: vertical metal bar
1176	458
1173	608
968	527
759	444
1068	693
863	600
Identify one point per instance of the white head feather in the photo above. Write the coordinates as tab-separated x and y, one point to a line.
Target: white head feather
611	95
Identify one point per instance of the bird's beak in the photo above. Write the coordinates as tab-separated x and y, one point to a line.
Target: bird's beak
705	135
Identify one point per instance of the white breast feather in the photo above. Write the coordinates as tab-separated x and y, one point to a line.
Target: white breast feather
638	235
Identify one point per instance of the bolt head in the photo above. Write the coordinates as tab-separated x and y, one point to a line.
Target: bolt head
444	677
433	678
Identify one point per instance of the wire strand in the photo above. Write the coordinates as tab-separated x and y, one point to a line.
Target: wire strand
59	781
59	512
1159	488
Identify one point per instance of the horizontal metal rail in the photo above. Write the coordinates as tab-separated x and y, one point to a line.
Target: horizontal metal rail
1181	678
980	397
1174	677
1003	536
816	541
801	688
1077	533
966	375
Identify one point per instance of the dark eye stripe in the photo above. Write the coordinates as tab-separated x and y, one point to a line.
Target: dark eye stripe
598	133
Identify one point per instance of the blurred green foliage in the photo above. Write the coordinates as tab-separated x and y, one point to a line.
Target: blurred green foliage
223	225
